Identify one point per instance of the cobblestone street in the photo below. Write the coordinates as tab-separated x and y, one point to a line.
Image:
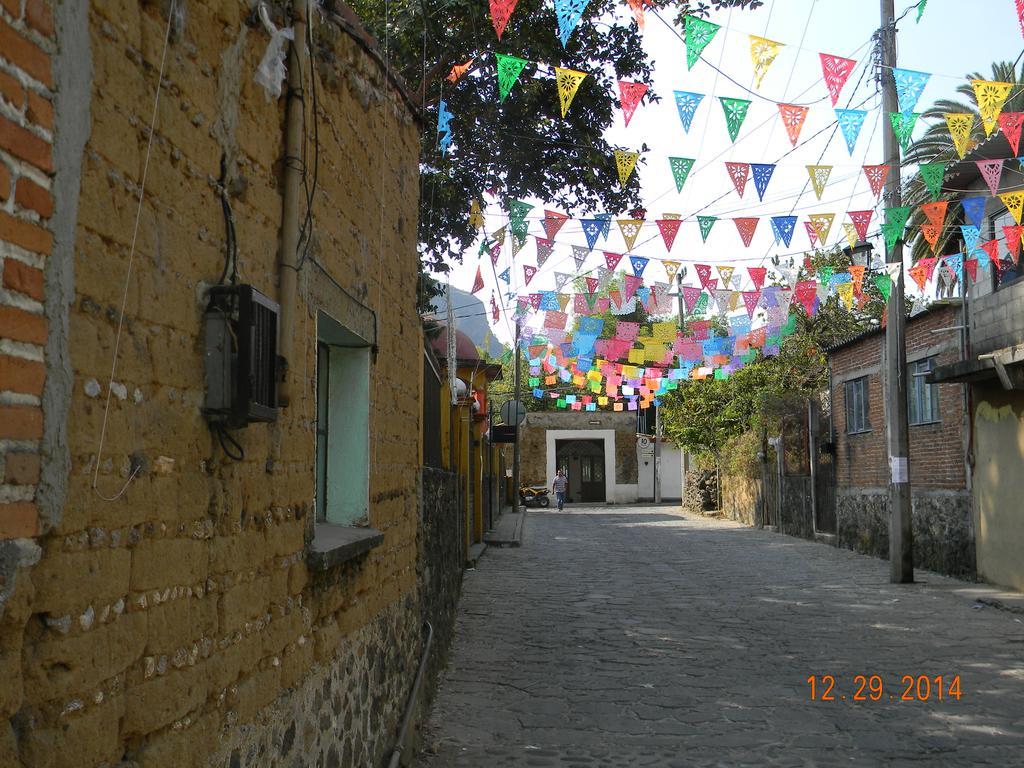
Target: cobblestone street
637	636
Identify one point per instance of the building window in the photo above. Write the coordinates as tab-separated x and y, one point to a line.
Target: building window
342	425
922	397
857	406
1009	271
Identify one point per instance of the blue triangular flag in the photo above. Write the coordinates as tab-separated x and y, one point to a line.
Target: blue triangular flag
762	175
850	123
974	209
971	236
782	228
505	276
592	228
606	223
643	293
909	85
956	263
638	263
569	13
687	104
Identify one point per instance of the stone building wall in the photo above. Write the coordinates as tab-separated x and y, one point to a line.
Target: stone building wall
171	618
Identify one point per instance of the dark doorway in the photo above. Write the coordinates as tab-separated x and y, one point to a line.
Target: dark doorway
583	462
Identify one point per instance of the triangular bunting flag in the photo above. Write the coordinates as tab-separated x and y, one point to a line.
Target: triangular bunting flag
793	117
680	170
725	272
861	221
612	259
639	263
746	225
568	82
851	234
903	127
812	232
495	253
579	255
850	123
704	274
782	228
506	276
528	273
625	162
691	295
568	13
544	248
1014	235
919	274
671	269
876	177
932	175
971	235
669	229
819	177
509	69
909	86
930	233
630	95
762	54
630	229
697	35
476	215
1010	123
884	284
592	229
1014	202
836	71
991	96
592	284
478	281
459	70
517	210
757	275
553	221
991	171
750	299
935	212
501	12
822	223
707	222
687	104
974	209
735	113
762	175
738	172
959	124
895	224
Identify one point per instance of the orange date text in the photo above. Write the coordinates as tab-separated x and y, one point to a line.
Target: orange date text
876	688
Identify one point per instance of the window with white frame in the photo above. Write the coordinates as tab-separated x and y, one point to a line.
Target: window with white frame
856	396
922	397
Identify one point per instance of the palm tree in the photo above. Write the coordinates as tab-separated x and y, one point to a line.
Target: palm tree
936	145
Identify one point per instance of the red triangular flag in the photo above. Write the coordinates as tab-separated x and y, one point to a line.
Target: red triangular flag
876	177
669	229
935	212
495	253
592	283
757	276
861	222
478	283
806	292
793	117
612	259
750	299
746	226
544	248
529	272
929	264
738	172
836	70
1010	122
1013	234
631	285
971	267
535	299
501	12
553	221
991	171
630	95
704	273
812	233
991	247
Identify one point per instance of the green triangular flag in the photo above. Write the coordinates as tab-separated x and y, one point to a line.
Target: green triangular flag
920	10
825	275
702	305
519	228
680	170
898	216
735	114
884	284
517	210
698	34
931	175
509	69
706	223
903	126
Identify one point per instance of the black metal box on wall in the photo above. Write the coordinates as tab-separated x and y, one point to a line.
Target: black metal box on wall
240	356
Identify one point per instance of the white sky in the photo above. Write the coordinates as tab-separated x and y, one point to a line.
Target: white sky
953	38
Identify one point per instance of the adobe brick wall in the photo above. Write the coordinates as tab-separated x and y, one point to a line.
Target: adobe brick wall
178	624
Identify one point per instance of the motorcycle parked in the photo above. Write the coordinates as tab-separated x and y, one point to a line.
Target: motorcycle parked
534	496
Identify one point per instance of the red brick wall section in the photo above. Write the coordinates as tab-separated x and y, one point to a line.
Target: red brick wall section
26	166
936	450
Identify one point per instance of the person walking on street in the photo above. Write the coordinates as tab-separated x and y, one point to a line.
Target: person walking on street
560	486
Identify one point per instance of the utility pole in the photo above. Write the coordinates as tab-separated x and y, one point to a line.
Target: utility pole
515	446
901	539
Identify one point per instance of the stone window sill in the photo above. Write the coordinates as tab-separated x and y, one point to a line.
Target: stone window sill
334	545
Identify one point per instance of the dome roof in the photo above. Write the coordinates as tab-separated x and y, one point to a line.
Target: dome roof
465	349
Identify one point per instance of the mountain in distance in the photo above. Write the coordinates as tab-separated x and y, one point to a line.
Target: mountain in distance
471	318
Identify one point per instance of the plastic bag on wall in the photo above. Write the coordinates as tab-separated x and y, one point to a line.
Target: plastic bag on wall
271	72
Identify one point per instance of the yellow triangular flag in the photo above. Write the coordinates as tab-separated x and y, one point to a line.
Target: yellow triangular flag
959	124
762	53
476	216
851	234
630	229
1014	202
991	96
671	267
625	162
568	82
726	274
734	300
672	216
846	294
563	300
822	223
819	177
